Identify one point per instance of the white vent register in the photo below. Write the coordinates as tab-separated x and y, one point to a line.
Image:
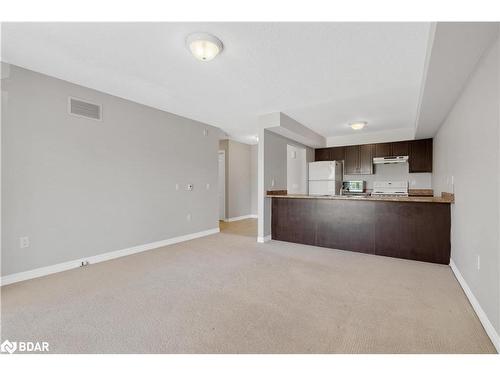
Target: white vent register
83	108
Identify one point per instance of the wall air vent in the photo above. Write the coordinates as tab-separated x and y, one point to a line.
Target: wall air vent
82	108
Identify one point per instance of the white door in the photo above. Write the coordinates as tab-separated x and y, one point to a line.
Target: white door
222	185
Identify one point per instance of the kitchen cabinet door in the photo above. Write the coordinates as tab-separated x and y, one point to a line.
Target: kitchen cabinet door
382	149
420	156
322	154
351	161
337	153
400	148
366	159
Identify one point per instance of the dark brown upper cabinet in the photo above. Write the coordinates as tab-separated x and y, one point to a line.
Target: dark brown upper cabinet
366	159
420	156
322	154
358	159
337	153
329	153
382	149
351	161
400	148
390	149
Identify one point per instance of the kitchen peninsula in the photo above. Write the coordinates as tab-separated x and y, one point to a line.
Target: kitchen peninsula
416	228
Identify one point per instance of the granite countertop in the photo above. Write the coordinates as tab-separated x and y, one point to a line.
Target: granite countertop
367	198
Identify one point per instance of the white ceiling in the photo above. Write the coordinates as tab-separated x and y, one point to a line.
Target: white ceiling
324	75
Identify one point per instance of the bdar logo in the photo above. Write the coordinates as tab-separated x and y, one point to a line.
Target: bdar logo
8	347
24	346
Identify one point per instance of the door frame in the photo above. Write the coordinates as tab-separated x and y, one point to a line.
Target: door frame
223	154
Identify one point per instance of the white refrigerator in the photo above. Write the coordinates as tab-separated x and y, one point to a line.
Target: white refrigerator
325	178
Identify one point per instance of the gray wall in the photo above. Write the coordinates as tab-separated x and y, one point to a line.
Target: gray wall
275	166
253	178
467	148
79	187
296	170
240	178
239	182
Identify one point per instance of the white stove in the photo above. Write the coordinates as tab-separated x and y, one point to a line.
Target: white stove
390	188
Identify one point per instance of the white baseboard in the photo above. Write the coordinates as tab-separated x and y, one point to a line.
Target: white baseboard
43	271
488	327
236	218
264	239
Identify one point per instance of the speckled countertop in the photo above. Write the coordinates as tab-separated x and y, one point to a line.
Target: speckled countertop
367	198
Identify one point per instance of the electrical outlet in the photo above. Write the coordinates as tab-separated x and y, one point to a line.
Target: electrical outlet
84	263
188	217
189	187
478	262
24	242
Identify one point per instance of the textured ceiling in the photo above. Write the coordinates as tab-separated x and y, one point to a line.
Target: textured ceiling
322	74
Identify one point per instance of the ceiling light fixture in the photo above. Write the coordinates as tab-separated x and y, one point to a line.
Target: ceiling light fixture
357	125
204	46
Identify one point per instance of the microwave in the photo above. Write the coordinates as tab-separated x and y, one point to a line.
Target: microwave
353	186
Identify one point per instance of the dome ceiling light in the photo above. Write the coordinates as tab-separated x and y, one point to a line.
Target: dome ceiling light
357	125
204	46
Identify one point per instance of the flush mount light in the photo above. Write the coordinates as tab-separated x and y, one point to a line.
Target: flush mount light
204	46
357	125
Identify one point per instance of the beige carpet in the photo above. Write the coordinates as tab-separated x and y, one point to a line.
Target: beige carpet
227	294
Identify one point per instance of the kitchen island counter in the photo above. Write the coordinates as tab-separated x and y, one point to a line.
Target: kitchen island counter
445	199
415	228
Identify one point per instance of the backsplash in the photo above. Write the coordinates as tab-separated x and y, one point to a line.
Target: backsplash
394	172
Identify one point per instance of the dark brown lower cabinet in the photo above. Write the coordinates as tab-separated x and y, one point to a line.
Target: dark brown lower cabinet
418	231
408	230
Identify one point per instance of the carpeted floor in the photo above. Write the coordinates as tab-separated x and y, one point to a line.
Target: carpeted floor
226	293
